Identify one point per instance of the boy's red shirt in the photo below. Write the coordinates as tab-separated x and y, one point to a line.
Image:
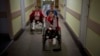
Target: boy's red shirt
33	14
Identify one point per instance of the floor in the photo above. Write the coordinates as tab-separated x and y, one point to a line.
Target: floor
31	45
4	41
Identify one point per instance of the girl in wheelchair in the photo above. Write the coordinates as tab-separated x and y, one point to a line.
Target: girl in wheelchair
51	29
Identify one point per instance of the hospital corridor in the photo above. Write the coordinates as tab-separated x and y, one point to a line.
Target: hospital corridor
74	29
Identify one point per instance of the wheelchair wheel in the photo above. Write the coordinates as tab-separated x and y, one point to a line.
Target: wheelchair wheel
59	40
58	35
46	36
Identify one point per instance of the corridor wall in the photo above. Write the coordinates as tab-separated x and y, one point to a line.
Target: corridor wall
93	28
29	6
73	9
61	7
73	14
16	14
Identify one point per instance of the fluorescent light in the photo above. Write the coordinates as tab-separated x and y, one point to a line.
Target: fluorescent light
52	0
43	0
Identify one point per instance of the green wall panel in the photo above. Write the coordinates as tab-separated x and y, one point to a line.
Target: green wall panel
16	23
93	39
95	11
28	2
93	42
75	5
15	5
73	23
28	14
61	2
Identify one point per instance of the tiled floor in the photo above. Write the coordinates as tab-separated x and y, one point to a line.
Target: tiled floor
31	45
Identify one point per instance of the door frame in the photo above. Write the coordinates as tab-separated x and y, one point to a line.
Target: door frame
7	14
22	6
83	21
65	5
9	17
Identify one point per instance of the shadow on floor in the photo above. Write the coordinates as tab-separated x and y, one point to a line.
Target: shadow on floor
4	41
63	52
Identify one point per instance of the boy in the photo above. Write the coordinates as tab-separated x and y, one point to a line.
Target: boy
36	16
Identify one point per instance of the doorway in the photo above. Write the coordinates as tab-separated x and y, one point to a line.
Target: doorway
6	33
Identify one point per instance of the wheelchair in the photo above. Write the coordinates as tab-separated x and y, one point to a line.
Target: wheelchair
38	26
51	33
